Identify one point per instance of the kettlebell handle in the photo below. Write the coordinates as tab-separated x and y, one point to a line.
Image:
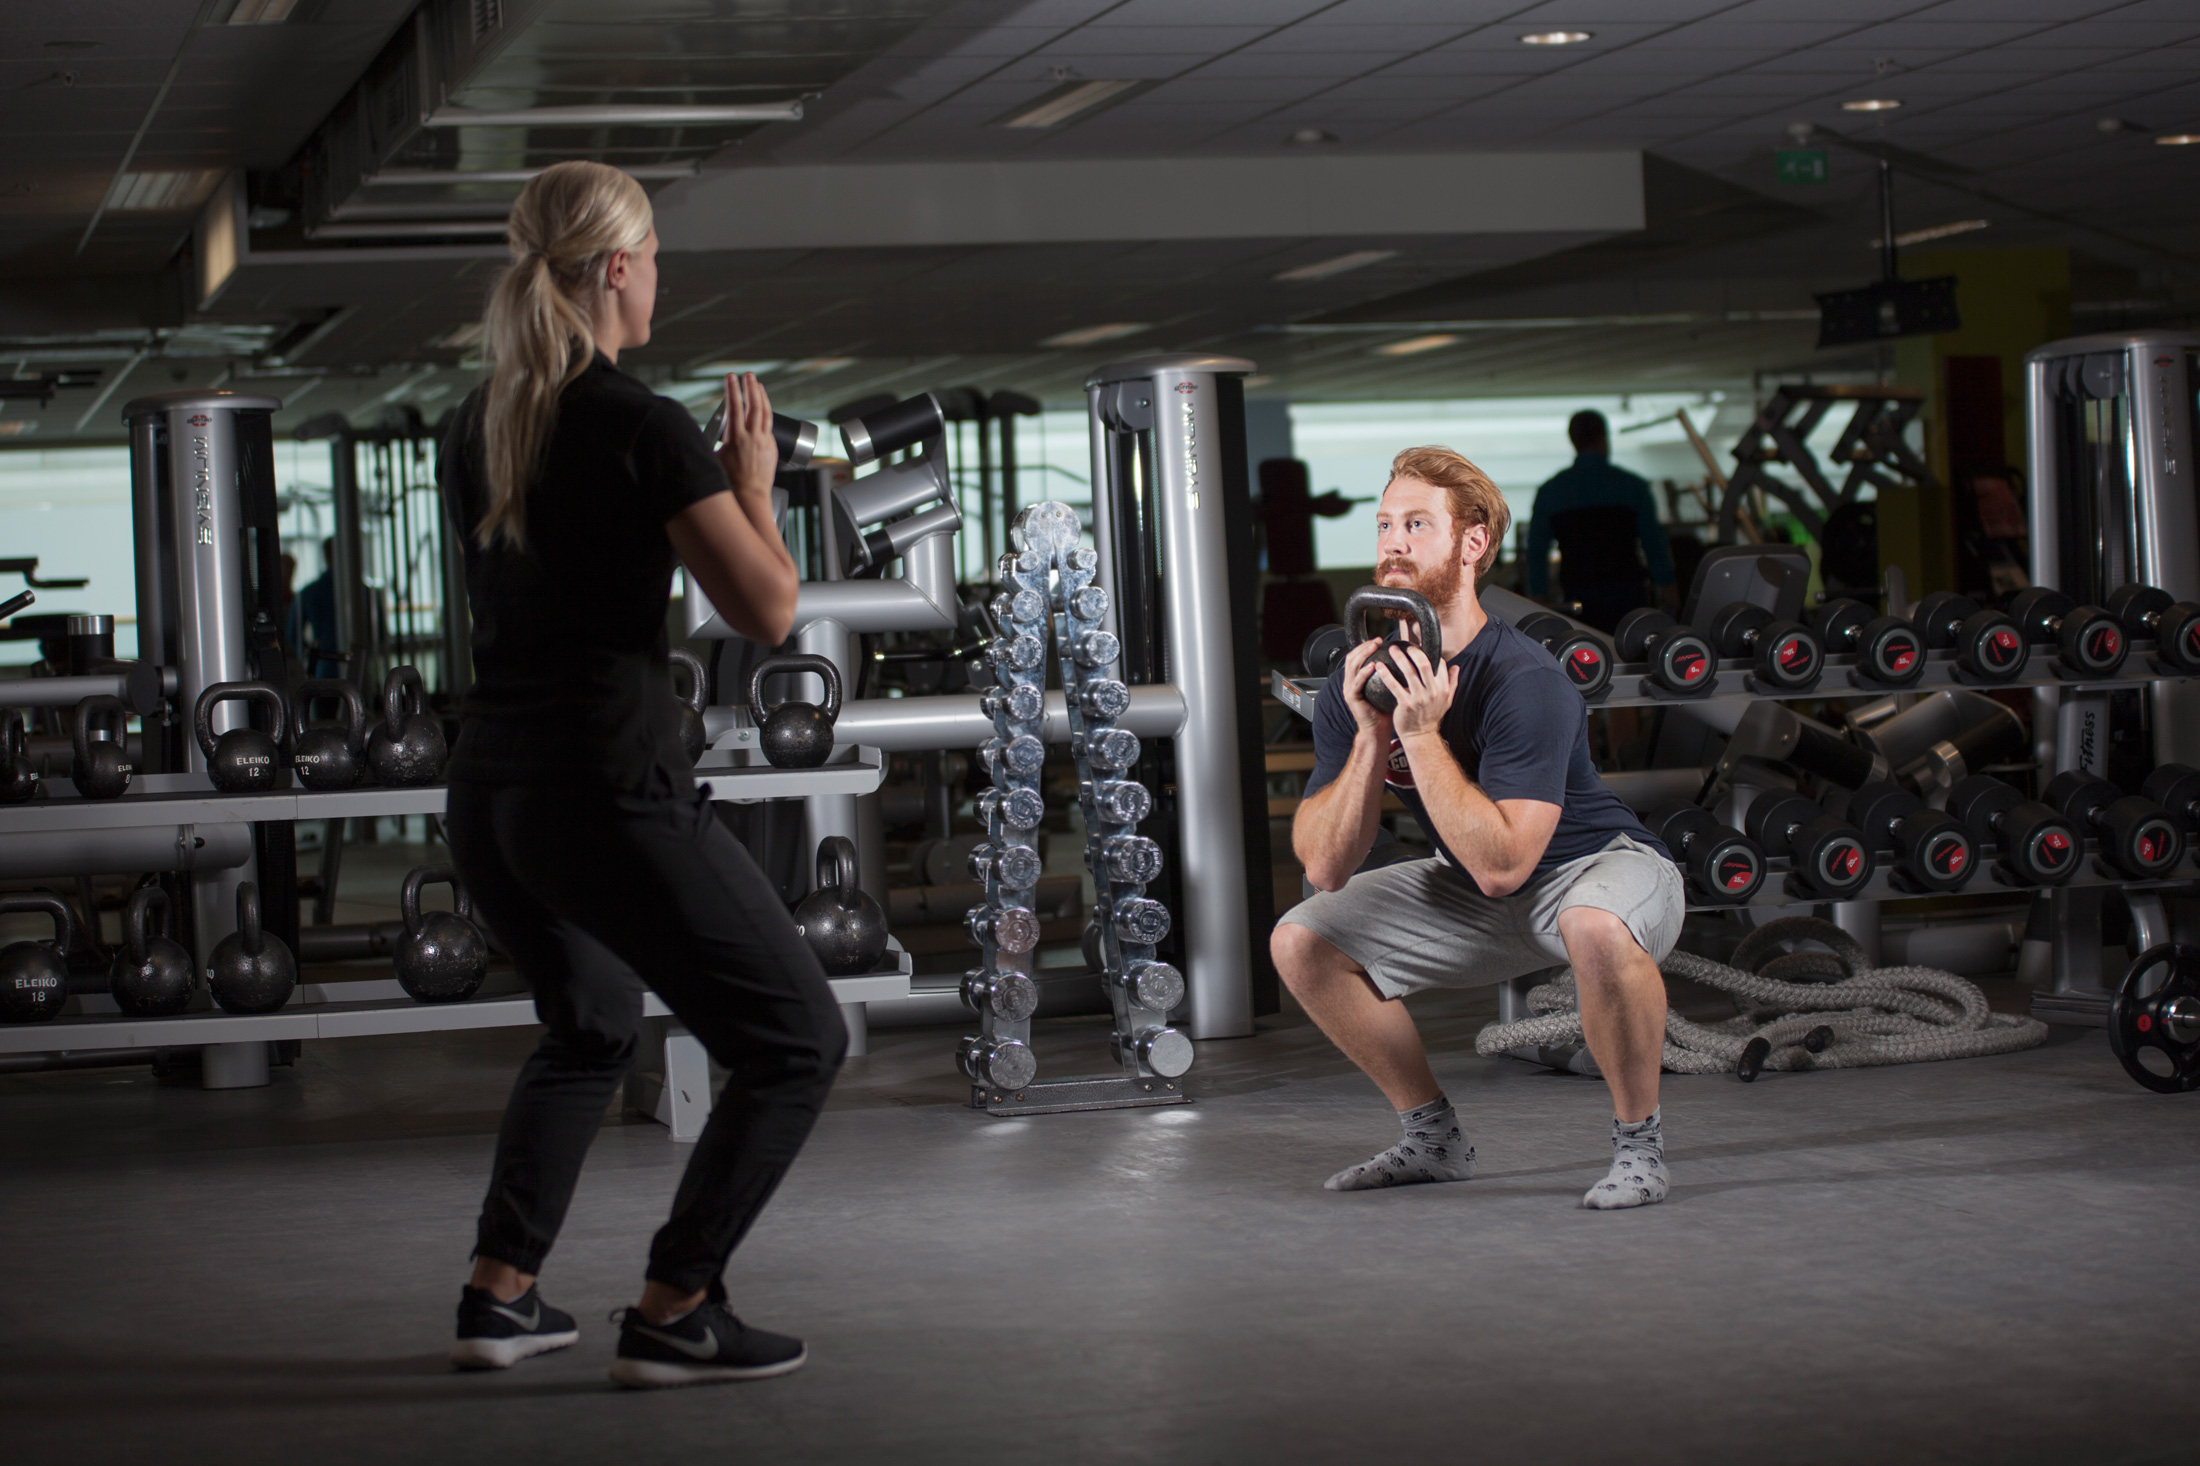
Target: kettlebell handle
264	693
354	706
408	895
794	662
93	709
1369	598
64	929
698	679
249	933
402	684
137	923
836	868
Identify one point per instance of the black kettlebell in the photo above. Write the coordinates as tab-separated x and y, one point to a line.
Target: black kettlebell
330	755
18	780
152	976
251	970
34	976
692	737
1382	696
101	769
795	735
406	748
442	957
243	760
841	922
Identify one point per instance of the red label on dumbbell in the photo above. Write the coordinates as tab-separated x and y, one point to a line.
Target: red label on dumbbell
1690	666
2143	1022
1582	664
1737	871
2107	641
1902	655
2054	850
2192	642
2150	849
2003	647
1848	860
1950	856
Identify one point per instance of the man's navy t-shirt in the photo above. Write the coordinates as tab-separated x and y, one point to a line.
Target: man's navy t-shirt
1519	731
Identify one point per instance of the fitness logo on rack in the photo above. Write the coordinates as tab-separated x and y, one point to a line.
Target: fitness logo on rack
1397	771
1191	443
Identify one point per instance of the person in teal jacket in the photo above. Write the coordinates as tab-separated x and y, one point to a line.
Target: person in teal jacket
1607	528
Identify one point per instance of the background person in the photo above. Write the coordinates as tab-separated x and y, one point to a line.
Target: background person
1537	863
574	817
1607	529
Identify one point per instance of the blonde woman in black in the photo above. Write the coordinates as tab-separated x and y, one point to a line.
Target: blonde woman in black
574	817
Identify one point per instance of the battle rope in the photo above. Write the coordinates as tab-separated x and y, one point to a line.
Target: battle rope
1855	1016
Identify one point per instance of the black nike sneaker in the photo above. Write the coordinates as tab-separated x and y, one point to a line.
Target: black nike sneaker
709	1344
493	1335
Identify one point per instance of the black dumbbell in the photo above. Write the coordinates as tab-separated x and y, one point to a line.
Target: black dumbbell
2174	625
1826	854
1324	650
1932	851
1988	644
2036	845
1721	862
1582	654
1785	656
1889	650
2176	787
2139	839
1680	658
2089	642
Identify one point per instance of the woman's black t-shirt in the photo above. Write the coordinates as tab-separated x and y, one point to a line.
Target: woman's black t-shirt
570	681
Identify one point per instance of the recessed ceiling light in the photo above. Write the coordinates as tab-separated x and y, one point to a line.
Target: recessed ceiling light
1937	231
1415	345
1554	38
2178	139
1093	335
1872	104
1071	99
1323	269
1307	137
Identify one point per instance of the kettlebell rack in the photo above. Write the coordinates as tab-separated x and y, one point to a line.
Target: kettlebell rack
187	801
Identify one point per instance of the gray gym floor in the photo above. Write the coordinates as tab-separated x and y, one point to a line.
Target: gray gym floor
1986	1260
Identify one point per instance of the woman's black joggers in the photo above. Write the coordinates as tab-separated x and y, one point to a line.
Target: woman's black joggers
588	890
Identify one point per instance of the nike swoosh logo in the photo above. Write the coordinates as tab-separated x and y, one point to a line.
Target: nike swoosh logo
528	1323
708	1349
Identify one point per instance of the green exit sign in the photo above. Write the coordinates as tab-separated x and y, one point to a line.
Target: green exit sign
1801	165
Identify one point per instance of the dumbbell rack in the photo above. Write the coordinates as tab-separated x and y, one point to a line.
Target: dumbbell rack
1631	686
352	1009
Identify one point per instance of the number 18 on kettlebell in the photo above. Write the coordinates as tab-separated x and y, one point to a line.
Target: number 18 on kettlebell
795	735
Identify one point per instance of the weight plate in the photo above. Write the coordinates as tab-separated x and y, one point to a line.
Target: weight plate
2157	1009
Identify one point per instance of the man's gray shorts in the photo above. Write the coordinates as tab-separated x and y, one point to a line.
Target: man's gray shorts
1424	924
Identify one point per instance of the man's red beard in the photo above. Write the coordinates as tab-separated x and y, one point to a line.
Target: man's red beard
1438	585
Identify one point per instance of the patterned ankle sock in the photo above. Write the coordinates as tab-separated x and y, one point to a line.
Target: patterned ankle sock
1637	1177
1434	1149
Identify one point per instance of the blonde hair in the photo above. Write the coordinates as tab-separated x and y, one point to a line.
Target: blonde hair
1468	492
541	334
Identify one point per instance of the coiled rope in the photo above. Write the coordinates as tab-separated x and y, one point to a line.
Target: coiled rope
1869	1015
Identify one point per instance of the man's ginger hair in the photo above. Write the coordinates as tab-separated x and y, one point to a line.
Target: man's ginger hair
1468	492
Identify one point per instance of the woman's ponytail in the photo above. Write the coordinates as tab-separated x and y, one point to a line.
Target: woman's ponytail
564	228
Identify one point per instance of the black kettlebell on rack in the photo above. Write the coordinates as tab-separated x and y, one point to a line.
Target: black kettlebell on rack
442	957
152	976
1382	696
692	737
841	922
243	760
251	970
18	780
34	976
329	755
101	769
795	735
406	747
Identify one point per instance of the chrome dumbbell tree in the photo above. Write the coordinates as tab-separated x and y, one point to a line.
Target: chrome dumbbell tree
1050	575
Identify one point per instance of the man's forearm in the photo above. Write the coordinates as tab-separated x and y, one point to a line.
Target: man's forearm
1335	827
1469	823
